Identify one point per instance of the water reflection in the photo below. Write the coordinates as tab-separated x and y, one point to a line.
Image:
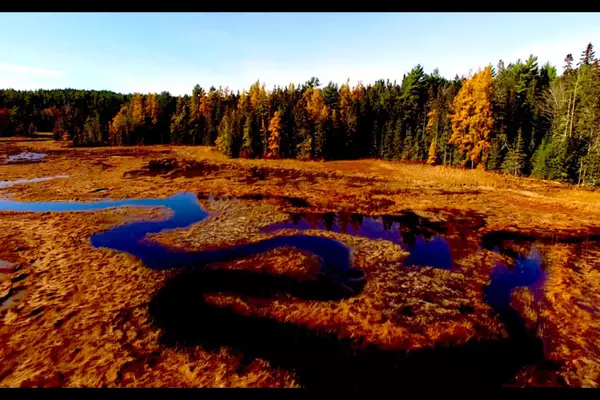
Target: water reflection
14	297
130	238
526	272
419	237
415	235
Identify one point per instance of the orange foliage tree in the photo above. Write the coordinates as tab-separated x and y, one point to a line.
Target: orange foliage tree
472	119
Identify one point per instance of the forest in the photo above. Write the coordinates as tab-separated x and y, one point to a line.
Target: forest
522	119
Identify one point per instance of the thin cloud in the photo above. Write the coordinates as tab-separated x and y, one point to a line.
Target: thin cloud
26	70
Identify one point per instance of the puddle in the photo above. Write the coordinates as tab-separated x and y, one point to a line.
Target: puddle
4	184
5	267
14	298
24	157
527	272
426	248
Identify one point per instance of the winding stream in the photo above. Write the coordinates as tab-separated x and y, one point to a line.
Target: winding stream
336	257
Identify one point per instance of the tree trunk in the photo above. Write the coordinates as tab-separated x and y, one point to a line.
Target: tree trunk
568	115
574	100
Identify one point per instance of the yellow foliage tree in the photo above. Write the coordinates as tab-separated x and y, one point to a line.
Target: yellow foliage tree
275	128
432	155
152	107
316	107
258	96
358	92
346	104
138	109
432	120
118	129
472	119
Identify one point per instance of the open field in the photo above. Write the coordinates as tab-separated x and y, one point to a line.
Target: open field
75	315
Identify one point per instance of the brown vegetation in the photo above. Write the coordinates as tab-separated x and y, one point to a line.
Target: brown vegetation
85	315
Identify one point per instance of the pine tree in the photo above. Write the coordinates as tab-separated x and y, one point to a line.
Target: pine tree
397	140
179	122
224	141
558	159
494	161
407	146
541	161
591	163
515	158
247	141
386	147
588	56
568	67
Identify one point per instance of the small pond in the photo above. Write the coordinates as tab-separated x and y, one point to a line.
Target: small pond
526	272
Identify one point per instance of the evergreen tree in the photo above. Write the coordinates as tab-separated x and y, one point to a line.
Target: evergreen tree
397	140
515	158
92	131
588	56
495	157
224	141
179	122
541	161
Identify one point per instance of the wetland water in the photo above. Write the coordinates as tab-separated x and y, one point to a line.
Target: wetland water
426	248
24	157
4	184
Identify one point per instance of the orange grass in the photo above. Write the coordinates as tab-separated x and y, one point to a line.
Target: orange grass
84	321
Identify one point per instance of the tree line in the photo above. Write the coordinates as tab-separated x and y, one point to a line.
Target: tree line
521	118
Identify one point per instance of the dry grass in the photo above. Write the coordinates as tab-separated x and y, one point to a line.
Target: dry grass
84	318
569	315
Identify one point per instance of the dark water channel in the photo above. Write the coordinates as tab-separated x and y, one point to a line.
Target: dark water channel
423	241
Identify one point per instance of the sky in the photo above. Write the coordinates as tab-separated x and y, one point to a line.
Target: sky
153	52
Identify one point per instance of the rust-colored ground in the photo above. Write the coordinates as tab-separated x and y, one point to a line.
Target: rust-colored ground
73	315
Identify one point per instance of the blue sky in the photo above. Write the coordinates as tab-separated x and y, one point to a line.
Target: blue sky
152	52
